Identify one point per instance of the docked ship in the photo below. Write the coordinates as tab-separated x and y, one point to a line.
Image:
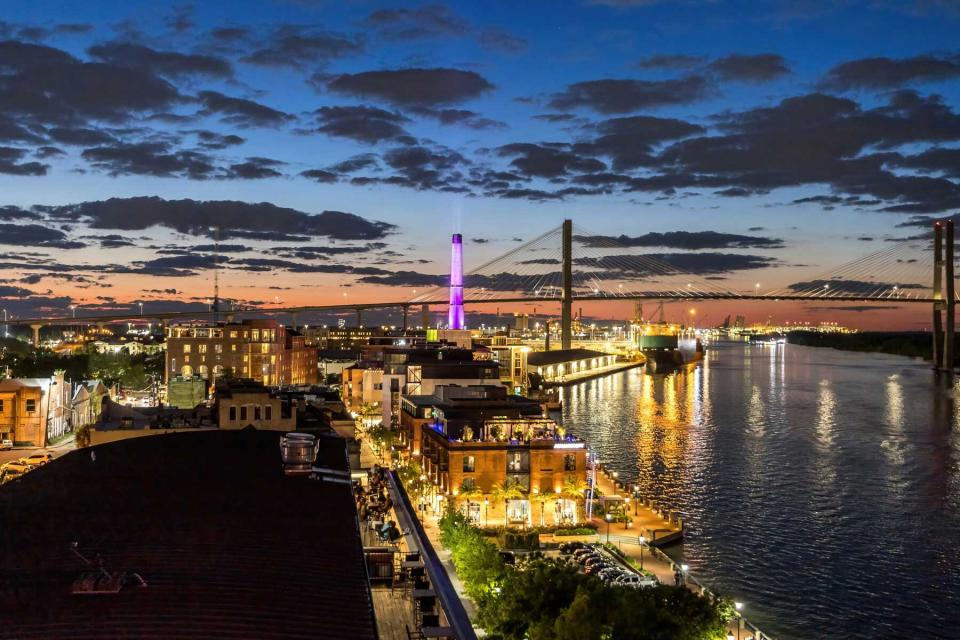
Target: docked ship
668	346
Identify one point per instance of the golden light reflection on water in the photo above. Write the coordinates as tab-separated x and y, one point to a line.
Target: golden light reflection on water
826	415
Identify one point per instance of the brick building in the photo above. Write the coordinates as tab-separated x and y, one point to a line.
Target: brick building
262	350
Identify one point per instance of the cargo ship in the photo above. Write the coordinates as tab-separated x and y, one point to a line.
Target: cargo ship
668	346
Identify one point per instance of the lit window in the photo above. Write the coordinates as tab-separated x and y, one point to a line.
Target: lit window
218	348
233	334
201	348
469	464
233	347
256	335
31	405
186	348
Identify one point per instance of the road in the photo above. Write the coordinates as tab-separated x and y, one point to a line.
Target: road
21	452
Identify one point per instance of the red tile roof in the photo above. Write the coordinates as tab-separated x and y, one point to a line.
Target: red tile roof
228	545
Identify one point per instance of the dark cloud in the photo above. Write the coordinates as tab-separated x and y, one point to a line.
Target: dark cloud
315	252
407	279
297	46
10	163
462	117
624	96
886	73
150	158
421	167
112	241
934	160
853	287
670	61
164	63
548	161
412	87
240	111
428	21
749	68
366	124
216	141
35	235
254	168
44	84
11	212
479	240
235	219
498	39
320	175
684	240
556	117
271	264
701	262
356	163
630	141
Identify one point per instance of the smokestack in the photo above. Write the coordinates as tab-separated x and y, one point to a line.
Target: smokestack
455	313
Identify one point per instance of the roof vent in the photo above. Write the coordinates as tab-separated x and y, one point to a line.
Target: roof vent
298	451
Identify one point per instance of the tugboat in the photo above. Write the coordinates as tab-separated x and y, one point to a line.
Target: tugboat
668	346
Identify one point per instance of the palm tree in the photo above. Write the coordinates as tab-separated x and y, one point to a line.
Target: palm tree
468	492
575	489
506	491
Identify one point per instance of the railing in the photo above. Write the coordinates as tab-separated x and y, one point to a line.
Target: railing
701	587
449	598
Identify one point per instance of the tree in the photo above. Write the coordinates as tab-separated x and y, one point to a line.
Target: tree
506	491
468	492
575	489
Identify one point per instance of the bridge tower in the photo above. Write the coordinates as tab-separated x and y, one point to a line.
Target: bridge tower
943	295
566	301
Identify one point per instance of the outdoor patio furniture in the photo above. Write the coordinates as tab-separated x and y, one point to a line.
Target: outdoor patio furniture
438	632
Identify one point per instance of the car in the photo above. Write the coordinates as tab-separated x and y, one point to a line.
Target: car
595	569
568	548
582	551
636	581
595	561
6	445
16	467
610	573
590	556
37	459
508	557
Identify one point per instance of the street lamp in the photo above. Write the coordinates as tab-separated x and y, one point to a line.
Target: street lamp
738	606
684	568
641	540
486	504
608	517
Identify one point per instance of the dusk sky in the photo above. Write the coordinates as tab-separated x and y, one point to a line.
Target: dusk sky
338	144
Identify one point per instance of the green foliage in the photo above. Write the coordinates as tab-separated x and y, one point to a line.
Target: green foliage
131	372
529	540
478	561
586	530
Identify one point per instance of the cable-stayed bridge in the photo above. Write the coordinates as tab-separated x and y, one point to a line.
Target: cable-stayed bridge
570	264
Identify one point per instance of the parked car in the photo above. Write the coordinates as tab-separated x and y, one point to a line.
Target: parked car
37	459
636	581
508	557
583	551
582	560
6	445
595	569
610	573
568	548
595	561
17	468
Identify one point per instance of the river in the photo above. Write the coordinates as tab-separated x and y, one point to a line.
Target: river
819	487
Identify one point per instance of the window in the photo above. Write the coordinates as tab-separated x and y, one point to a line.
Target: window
233	414
186	348
201	348
243	413
469	484
218	348
569	462
267	412
233	347
256	412
256	335
233	334
1	406
31	405
469	464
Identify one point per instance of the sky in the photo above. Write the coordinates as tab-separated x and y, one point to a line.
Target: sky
337	145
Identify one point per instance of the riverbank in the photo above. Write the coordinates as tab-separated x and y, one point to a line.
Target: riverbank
913	344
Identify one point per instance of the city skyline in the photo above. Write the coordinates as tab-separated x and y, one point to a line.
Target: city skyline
337	147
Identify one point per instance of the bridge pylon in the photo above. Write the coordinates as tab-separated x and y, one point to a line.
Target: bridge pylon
944	295
566	283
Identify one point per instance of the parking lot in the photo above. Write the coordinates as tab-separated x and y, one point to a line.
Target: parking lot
17	453
595	559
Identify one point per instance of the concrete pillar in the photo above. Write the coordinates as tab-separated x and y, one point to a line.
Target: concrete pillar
566	303
425	316
406	310
950	298
36	335
294	316
937	295
359	317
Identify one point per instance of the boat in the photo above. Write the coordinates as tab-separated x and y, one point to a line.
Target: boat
668	346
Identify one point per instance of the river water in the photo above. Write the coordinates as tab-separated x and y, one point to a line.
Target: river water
820	487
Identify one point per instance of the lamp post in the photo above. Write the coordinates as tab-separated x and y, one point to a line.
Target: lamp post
486	505
684	568
641	540
608	517
626	511
738	606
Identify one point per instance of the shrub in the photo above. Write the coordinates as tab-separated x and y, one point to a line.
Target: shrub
529	540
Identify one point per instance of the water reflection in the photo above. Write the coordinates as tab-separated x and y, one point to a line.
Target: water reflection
822	487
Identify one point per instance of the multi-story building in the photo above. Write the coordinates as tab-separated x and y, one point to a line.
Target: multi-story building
340	338
418	371
243	403
35	410
262	350
474	441
362	384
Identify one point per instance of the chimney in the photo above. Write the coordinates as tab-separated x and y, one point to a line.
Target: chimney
455	313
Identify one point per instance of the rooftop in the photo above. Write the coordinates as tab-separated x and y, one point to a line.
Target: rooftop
546	358
228	545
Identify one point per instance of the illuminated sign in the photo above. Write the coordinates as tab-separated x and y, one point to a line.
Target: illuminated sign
568	445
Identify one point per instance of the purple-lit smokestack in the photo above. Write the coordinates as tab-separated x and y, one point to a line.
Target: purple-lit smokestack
455	313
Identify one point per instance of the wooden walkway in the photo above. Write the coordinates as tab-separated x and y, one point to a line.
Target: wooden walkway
394	613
